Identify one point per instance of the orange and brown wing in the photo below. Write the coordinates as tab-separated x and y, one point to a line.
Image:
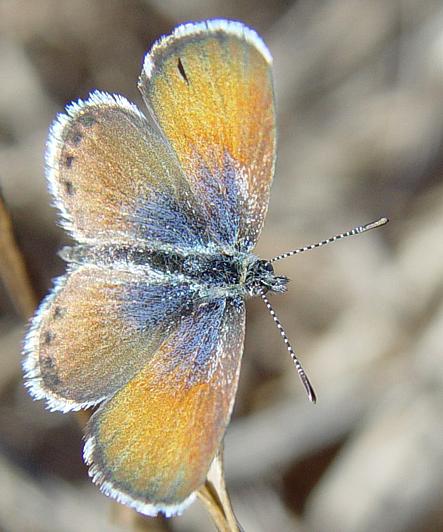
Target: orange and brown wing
209	87
151	445
114	178
96	330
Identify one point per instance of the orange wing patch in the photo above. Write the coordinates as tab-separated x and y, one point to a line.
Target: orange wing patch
152	444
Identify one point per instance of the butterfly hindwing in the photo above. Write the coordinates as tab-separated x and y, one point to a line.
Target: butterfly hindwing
96	330
151	445
209	87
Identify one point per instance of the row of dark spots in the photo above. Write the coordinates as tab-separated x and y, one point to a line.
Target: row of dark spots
49	367
75	137
58	313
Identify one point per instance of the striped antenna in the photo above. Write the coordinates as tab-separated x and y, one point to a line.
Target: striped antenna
356	231
298	366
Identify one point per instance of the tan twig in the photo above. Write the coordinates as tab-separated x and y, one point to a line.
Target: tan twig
216	499
12	268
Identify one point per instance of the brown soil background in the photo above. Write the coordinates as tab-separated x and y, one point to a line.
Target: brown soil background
359	88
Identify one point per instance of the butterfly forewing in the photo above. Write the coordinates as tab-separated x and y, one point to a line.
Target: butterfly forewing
114	178
209	87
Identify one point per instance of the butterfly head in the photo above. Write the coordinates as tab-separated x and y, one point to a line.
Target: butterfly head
260	278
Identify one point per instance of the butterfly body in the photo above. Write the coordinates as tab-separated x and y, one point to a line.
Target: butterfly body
211	274
148	321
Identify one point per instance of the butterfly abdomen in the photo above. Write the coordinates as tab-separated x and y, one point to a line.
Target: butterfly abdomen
216	271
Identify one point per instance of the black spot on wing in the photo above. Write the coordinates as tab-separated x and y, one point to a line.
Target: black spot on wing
48	337
58	312
69	188
75	137
49	371
182	71
87	120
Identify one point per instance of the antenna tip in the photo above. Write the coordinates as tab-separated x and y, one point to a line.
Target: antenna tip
310	390
377	223
312	397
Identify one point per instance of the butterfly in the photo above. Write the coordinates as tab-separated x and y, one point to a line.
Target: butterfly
165	207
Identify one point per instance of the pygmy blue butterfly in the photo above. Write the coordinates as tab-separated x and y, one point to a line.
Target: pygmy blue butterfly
149	319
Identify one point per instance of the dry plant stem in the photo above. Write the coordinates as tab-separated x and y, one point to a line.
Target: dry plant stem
12	268
216	499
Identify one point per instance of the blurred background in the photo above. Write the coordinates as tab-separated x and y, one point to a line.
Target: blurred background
359	92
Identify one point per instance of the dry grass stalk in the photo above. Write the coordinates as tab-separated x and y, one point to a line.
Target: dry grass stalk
216	499
12	267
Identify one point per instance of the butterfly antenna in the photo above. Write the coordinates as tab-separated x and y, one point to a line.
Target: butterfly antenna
356	231
298	366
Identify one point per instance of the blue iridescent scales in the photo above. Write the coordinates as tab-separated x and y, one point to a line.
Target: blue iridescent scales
149	318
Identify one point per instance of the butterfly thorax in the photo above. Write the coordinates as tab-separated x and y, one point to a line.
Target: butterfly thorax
215	273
